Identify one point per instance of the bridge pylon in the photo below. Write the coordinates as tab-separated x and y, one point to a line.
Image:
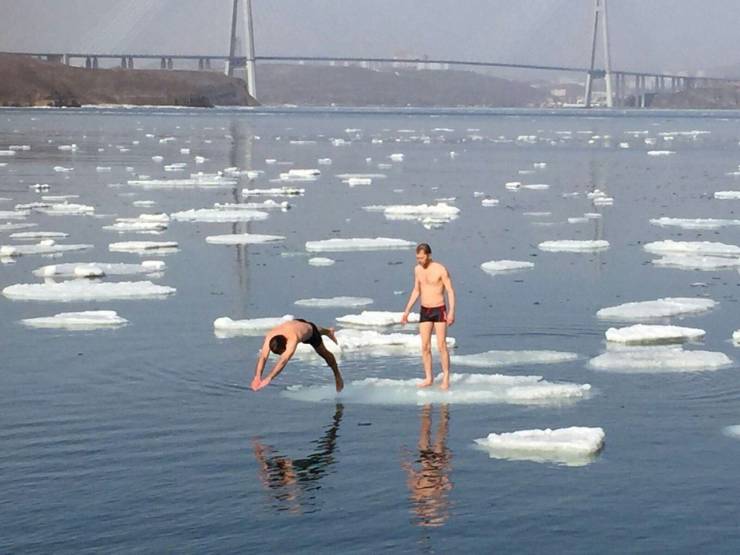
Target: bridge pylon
246	45
600	16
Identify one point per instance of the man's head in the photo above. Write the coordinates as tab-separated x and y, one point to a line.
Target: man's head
423	254
278	343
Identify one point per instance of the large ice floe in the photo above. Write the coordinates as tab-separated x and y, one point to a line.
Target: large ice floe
88	320
47	246
493	359
727	195
14	214
570	245
659	308
142	223
375	319
658	359
226	327
358	244
195	181
643	334
334	302
84	290
215	215
243	239
36	235
144	247
505	266
372	343
575	446
705	248
430	215
469	389
14	227
99	269
274	192
697	262
67	209
694	223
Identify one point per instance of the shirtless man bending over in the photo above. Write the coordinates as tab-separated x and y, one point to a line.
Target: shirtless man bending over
283	340
431	281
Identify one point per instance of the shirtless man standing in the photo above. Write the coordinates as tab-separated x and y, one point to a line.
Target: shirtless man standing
283	340
431	281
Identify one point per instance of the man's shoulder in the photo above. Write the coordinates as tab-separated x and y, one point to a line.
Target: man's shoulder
438	266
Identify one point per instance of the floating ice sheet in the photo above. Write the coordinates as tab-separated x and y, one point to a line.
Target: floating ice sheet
659	308
736	336
658	360
358	244
67	209
83	290
143	246
334	302
727	195
494	359
573	246
441	209
694	223
694	262
375	319
268	204
215	215
275	192
660	152
575	446
243	239
47	246
321	261
226	327
646	334
107	269
469	389
732	431
505	266
88	320
195	181
13	227
366	342
14	214
705	248
35	235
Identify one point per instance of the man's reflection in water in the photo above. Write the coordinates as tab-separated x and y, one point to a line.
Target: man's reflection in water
430	485
291	482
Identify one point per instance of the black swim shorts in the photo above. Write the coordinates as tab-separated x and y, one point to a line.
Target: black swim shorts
315	339
433	314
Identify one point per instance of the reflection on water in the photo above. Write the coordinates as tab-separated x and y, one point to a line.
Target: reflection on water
291	483
430	485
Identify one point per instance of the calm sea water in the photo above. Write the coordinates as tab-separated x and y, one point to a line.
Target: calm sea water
146	438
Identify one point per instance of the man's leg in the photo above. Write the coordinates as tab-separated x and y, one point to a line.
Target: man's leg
425	331
332	362
328	332
440	329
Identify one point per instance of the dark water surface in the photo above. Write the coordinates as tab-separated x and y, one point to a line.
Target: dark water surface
146	438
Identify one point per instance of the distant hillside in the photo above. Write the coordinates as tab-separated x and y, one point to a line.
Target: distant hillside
354	86
25	81
715	98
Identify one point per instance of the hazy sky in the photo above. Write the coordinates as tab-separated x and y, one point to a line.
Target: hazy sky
646	34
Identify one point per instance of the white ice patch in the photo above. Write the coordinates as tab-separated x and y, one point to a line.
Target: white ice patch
67	209
495	359
736	336
14	214
274	192
46	246
243	239
35	235
88	320
573	246
505	266
489	202
732	431
705	248
195	181
139	247
358	244
226	327
214	215
727	195
321	261
694	223
334	302
659	308
660	152
693	262
83	290
268	204
375	319
13	227
658	360
108	269
441	209
575	446
646	334
468	389
536	187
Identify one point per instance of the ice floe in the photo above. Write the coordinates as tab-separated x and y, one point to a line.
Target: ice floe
83	269
494	359
358	244
706	248
334	302
660	152
195	181
14	214
727	195
67	209
469	389
143	246
13	227
226	327
694	223
35	235
489	202
575	446
505	266
275	192
656	309
142	223
243	239
83	290
375	319
694	262
658	359
47	246
647	334
321	261
573	246
268	204
736	336
88	320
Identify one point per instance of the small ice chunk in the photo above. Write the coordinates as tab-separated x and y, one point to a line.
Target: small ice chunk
505	266
727	195
706	248
357	181
513	185
397	157
489	202
84	290
659	308
694	223
647	334
334	302
660	152
732	431
536	187
440	209
321	261
324	161
276	191
575	446
243	239
14	214
226	327
573	246
143	246
216	215
88	320
26	235
143	203
736	336
357	244
658	359
375	319
494	359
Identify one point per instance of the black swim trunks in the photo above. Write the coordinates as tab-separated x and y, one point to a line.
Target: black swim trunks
315	339
433	314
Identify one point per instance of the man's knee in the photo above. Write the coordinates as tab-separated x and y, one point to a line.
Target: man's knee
426	347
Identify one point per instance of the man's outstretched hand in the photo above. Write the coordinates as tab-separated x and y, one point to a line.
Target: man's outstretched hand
258	383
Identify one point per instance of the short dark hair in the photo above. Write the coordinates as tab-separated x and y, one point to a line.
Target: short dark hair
424	247
278	343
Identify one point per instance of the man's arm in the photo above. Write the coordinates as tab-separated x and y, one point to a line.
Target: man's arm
447	282
412	299
282	361
261	361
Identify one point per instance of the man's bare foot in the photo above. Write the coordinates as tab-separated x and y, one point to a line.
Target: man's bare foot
330	334
445	385
339	384
425	383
